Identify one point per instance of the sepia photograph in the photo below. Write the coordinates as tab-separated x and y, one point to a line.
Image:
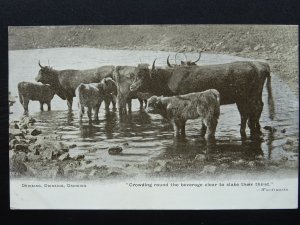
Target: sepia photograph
181	116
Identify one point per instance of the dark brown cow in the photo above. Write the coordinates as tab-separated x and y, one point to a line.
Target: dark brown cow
64	82
35	92
237	82
124	77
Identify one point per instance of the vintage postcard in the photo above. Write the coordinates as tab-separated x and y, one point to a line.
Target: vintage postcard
154	117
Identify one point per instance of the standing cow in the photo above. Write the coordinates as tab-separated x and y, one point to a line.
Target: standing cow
180	108
35	92
237	82
124	77
64	82
91	96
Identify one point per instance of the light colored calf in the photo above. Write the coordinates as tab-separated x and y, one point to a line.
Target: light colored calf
179	109
91	96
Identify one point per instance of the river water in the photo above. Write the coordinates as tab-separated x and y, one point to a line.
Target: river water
144	137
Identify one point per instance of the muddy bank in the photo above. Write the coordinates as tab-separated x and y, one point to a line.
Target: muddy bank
274	43
35	154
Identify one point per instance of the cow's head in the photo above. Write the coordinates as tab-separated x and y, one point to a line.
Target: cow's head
46	75
109	85
142	77
154	105
183	63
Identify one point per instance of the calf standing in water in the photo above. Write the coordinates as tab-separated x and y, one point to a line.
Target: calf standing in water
35	92
91	96
178	109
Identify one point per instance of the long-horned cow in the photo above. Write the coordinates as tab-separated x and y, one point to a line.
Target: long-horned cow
64	82
237	82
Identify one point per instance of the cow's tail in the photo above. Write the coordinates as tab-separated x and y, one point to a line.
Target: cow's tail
20	93
270	95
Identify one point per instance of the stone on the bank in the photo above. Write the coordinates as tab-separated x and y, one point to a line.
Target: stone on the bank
35	132
15	132
17	165
78	157
64	156
115	150
21	148
27	120
48	154
199	157
209	169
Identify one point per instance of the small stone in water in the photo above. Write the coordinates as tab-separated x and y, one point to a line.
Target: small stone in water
115	150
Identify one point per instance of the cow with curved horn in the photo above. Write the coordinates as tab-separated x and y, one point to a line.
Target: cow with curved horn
183	63
64	82
239	82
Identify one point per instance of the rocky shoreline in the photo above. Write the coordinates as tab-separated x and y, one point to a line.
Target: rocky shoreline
33	154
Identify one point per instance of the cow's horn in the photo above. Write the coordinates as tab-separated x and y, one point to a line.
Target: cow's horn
153	65
169	65
41	65
198	58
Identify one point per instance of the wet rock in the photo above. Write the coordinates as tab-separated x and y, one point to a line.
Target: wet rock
17	165
72	146
283	131
15	132
199	158
209	169
13	143
31	138
64	157
257	47
115	150
21	148
35	132
269	128
28	120
291	145
33	157
251	164
48	154
224	166
79	157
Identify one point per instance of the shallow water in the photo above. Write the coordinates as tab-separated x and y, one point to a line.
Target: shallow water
147	137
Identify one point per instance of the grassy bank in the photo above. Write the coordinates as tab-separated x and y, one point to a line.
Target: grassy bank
276	44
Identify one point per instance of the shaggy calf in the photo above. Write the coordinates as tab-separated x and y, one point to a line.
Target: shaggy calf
35	92
178	109
91	96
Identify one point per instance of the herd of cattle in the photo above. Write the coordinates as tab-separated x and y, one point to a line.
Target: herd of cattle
177	92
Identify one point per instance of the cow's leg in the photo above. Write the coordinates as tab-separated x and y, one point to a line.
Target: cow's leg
253	123
81	111
70	103
182	127
203	130
114	102
49	105
41	106
145	103
176	128
25	104
211	128
141	103
243	109
129	105
89	113
96	109
107	101
121	104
